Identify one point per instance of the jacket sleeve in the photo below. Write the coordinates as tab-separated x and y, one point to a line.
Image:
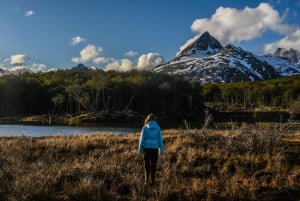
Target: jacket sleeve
161	142
141	142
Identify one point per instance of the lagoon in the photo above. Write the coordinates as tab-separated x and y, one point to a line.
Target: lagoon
40	131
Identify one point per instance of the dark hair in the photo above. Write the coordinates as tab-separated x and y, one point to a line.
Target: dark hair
149	117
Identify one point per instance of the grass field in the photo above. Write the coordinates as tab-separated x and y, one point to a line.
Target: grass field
247	163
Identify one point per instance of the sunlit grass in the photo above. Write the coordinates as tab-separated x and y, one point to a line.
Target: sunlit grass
248	163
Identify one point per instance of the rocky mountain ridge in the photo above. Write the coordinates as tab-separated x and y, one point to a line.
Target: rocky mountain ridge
291	54
207	61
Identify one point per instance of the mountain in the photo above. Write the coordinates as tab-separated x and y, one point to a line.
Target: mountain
205	45
291	54
206	61
282	65
83	67
80	67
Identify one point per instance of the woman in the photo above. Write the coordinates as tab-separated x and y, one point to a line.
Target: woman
150	141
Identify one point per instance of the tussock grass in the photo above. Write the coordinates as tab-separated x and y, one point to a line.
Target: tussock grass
247	163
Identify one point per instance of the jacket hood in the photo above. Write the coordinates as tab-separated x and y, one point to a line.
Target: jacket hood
152	124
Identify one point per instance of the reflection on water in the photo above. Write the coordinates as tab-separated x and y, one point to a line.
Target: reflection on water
38	131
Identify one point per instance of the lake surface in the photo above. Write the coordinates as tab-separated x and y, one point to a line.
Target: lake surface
39	131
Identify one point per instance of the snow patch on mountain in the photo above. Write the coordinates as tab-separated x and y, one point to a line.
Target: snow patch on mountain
282	65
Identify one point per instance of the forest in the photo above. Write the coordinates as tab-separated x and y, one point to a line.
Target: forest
82	90
281	93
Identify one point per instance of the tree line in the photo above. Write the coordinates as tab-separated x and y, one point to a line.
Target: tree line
83	90
281	93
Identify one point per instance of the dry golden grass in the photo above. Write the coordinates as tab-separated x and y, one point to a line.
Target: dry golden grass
239	164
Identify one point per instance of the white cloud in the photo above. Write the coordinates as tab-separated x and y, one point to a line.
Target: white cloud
19	69
230	25
126	65
76	40
115	65
145	62
290	41
29	13
121	65
18	59
131	53
52	70
38	67
99	60
16	64
89	53
149	61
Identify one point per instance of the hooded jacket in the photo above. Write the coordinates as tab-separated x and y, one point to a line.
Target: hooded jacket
151	137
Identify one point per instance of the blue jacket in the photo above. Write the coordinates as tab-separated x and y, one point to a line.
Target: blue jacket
151	137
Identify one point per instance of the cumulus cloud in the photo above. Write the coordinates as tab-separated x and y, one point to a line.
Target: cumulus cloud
149	61
16	64
76	40
290	41
131	53
19	69
89	53
52	70
99	60
92	53
121	65
22	68
18	59
230	25
145	62
29	13
38	67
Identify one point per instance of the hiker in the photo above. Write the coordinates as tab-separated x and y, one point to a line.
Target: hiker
151	141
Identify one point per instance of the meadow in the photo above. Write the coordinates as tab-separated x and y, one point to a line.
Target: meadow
246	163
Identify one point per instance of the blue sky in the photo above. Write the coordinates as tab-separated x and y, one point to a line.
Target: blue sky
136	34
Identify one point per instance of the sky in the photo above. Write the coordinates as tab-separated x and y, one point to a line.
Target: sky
43	35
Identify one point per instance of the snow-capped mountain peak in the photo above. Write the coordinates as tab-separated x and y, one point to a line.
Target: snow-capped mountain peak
204	45
207	61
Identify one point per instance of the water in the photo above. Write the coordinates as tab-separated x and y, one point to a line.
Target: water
39	131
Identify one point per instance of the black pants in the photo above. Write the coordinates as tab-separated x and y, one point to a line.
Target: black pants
150	158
